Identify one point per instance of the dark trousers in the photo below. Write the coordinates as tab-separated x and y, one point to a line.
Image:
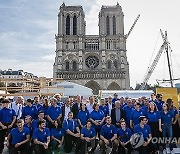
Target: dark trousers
85	145
3	134
68	143
39	149
147	149
121	149
23	149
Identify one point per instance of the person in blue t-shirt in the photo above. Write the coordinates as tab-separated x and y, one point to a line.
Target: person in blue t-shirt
97	117
83	116
72	134
103	107
18	139
124	134
108	136
127	110
7	121
54	113
159	102
88	136
29	109
57	136
115	98
144	128
135	114
28	124
41	137
167	120
45	106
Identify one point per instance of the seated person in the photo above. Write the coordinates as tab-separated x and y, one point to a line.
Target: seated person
72	134
124	134
88	136
41	137
143	128
57	136
18	139
108	136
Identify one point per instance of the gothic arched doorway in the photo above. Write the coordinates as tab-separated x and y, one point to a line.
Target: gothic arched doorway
94	86
113	86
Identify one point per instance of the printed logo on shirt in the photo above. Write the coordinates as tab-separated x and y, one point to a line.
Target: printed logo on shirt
10	112
23	133
169	115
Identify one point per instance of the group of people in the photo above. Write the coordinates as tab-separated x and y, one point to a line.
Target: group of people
48	124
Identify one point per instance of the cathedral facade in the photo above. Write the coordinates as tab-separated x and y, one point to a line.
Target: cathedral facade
95	61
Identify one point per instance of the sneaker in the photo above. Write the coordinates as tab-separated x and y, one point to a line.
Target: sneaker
89	149
164	151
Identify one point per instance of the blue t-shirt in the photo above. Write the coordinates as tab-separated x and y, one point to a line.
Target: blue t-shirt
35	124
108	132
30	128
159	104
145	108
115	99
153	116
6	115
88	132
174	112
18	136
41	135
54	112
124	135
70	124
145	131
127	109
39	107
32	111
83	116
45	109
166	118
97	116
57	133
104	109
135	116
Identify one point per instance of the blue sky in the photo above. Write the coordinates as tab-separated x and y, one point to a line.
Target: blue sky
28	27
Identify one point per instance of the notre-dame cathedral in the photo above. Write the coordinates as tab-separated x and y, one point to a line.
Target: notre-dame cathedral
95	61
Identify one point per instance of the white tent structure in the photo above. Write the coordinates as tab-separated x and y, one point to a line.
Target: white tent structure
126	93
68	89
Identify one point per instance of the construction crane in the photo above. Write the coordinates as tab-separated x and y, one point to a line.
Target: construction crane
153	65
127	35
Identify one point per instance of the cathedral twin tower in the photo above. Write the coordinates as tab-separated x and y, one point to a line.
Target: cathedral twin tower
95	61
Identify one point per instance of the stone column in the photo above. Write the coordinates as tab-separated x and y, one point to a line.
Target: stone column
111	24
71	25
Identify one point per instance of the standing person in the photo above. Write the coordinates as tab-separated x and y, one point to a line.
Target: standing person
115	98
127	110
76	106
135	114
35	122
159	102
143	128
83	116
88	136
154	119
58	98
97	117
37	104
153	97
175	124
103	107
41	137
72	134
18	139
167	120
54	113
17	106
66	109
28	124
7	121
110	104
90	104
117	114
145	105
124	134
57	136
108	136
29	109
45	106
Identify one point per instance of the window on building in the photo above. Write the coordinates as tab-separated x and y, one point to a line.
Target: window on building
107	25
74	25
109	64
74	45
67	66
114	45
115	64
108	45
74	66
67	45
68	25
114	25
